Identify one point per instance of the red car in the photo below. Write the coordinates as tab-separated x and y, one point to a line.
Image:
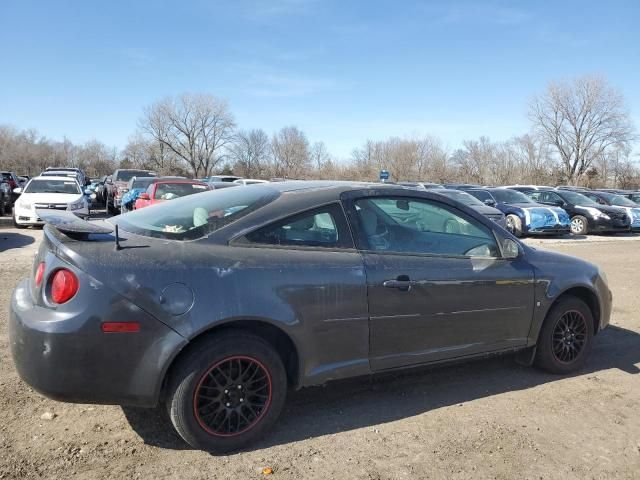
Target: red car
164	190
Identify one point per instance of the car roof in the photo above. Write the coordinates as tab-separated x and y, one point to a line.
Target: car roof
54	177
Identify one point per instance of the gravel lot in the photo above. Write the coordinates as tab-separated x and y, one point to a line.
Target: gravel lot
488	419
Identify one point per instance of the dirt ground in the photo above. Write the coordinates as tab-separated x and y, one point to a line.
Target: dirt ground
488	419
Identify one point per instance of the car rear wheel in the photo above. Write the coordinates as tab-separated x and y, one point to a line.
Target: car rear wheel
565	338
579	225
514	225
227	392
2	208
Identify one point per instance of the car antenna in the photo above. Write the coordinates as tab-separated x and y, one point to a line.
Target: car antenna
118	247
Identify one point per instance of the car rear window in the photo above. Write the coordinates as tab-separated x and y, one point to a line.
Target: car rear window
196	216
126	175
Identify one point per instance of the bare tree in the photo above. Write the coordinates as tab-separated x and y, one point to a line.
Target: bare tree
250	152
196	128
290	151
582	119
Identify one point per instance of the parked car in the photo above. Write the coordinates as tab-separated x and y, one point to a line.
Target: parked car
47	192
135	187
215	304
633	196
163	190
461	186
587	216
613	200
249	181
423	185
6	202
524	216
469	200
222	178
82	177
14	182
116	186
527	188
77	176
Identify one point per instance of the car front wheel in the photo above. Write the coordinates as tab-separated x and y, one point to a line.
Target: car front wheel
227	392
514	225
579	225
565	338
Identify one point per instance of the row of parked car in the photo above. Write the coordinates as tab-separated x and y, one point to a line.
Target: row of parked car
543	210
131	189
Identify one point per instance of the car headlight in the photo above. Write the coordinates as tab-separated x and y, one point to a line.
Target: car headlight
595	213
76	205
26	205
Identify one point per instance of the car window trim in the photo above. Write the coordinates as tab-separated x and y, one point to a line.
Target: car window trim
236	241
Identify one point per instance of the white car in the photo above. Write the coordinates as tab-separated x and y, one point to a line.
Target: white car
249	181
53	193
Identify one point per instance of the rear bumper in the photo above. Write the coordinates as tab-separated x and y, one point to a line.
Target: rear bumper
67	357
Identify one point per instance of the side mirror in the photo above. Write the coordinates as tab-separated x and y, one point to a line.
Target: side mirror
17	191
489	202
510	248
558	203
108	180
144	196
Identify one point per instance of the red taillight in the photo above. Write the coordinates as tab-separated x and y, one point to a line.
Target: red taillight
120	327
39	274
64	285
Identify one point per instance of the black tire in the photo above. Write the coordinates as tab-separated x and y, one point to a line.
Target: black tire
16	224
579	225
203	370
557	350
2	207
514	224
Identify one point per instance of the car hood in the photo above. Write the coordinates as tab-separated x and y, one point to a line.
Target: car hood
547	261
51	197
603	208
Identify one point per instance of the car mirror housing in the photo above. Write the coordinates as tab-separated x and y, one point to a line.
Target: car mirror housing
144	196
510	248
489	202
17	191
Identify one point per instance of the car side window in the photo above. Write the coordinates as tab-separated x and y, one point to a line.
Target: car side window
481	195
420	226
323	227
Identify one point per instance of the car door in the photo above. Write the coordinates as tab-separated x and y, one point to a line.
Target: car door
311	276
438	287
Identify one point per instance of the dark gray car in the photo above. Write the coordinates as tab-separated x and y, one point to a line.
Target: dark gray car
212	305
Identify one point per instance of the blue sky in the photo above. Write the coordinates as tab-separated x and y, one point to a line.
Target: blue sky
343	71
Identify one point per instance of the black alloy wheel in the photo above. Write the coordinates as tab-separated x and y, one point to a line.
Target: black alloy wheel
232	396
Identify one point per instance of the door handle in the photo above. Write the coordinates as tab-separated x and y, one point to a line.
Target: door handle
402	283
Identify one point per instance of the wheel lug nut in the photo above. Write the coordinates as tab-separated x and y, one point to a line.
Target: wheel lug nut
239	387
228	404
241	400
226	391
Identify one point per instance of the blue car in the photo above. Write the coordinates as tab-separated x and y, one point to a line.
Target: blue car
134	188
523	215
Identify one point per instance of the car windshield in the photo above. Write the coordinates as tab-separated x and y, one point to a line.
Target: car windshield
196	216
576	198
53	186
126	175
462	197
169	191
619	200
505	195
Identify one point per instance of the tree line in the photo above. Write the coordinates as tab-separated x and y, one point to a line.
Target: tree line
581	133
